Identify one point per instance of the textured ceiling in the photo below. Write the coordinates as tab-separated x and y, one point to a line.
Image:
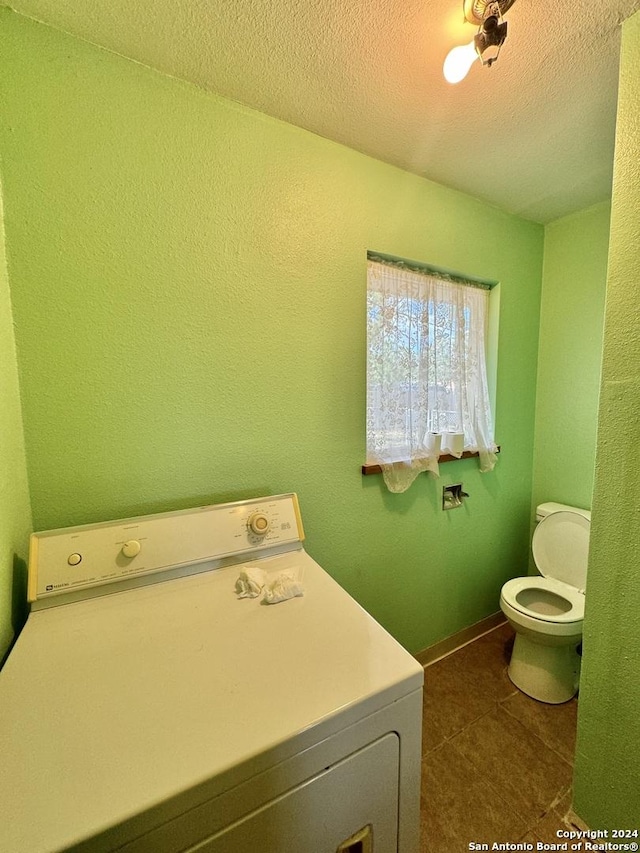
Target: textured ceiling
533	135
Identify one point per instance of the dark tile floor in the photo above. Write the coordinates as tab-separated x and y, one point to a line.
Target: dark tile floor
497	765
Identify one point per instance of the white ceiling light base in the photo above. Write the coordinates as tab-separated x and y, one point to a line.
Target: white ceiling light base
475	11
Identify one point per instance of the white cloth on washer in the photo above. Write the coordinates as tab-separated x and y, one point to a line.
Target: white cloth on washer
250	583
283	586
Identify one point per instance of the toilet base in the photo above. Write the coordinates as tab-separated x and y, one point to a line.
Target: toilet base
546	673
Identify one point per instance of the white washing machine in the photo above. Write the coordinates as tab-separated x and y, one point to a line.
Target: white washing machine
145	708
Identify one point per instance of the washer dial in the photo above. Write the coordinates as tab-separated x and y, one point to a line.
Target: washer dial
131	548
259	523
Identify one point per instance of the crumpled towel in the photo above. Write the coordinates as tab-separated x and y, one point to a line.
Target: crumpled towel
250	583
285	585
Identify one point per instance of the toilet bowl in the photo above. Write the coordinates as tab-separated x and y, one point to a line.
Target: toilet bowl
547	611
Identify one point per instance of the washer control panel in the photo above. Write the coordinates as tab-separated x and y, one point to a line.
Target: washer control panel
75	558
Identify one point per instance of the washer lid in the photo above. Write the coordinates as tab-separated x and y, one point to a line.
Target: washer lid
145	704
561	548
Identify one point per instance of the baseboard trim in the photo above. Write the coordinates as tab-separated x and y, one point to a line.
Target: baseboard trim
575	821
451	644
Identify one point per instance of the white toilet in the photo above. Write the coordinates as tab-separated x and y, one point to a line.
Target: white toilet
547	612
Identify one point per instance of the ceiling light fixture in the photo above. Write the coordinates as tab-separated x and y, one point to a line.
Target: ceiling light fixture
485	45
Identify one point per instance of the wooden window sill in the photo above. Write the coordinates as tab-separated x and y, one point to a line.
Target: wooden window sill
444	457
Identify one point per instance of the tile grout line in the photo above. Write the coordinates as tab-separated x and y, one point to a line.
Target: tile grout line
478	769
495	792
534	733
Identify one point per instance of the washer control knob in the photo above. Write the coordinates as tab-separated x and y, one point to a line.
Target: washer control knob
74	559
259	523
131	548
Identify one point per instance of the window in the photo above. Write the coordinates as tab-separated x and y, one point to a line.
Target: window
427	389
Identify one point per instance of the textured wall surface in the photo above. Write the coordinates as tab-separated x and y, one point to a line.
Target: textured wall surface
15	513
569	358
607	771
189	280
533	135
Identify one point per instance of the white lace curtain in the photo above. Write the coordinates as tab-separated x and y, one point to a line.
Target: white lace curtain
427	386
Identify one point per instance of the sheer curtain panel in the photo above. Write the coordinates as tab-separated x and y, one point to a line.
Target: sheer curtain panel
427	388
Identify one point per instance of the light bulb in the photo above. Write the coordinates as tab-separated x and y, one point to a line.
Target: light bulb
458	62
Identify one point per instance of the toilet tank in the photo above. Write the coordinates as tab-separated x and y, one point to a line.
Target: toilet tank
542	510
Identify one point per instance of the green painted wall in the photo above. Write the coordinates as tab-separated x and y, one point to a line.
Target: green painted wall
188	279
15	513
569	357
607	770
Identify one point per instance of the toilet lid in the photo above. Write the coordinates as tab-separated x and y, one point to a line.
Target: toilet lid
561	548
